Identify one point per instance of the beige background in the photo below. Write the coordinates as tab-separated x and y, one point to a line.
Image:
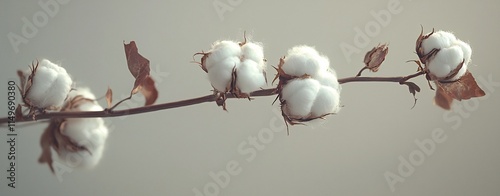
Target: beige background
171	152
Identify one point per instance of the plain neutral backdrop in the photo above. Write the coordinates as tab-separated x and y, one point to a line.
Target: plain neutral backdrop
174	152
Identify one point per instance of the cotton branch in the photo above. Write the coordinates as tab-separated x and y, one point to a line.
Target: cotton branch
194	101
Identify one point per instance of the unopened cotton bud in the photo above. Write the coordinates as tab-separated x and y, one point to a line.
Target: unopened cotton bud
49	87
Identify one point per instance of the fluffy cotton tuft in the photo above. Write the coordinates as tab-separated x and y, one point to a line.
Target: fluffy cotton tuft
299	95
90	133
303	60
50	85
452	52
249	76
246	59
314	90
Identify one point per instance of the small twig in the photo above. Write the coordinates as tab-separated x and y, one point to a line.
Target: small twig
116	105
361	71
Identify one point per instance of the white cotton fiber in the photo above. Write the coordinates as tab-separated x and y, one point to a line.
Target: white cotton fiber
254	52
303	60
90	133
299	95
220	75
222	50
329	78
250	76
81	159
467	51
445	61
327	102
246	59
452	52
50	87
439	39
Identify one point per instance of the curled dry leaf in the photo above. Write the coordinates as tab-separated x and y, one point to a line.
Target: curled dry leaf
47	140
19	112
464	88
413	88
149	91
109	97
139	68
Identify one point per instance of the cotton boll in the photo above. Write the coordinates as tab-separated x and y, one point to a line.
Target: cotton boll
220	76
250	77
445	61
222	50
253	51
299	95
327	102
50	87
89	133
438	40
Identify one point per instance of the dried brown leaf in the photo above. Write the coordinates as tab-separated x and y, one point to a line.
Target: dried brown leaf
109	97
137	65
47	140
149	90
442	99
413	88
464	88
19	112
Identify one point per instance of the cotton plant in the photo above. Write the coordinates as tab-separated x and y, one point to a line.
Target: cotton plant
307	89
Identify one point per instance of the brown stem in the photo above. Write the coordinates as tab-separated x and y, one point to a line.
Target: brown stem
188	102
